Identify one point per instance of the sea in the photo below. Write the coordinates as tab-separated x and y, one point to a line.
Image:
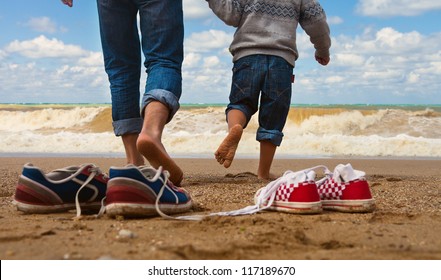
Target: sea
410	131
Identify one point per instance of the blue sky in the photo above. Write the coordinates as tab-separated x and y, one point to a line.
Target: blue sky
383	52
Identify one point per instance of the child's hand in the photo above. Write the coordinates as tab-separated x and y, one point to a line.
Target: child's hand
323	60
68	2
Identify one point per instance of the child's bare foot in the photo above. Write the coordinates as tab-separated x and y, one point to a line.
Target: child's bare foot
157	157
268	177
227	149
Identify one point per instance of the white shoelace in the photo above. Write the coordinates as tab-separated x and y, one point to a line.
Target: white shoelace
267	194
143	170
342	173
263	201
94	170
161	191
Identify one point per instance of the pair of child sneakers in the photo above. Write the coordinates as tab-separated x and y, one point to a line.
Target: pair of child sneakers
344	190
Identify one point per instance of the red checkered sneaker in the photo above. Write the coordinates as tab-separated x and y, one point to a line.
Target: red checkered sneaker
294	192
301	198
346	190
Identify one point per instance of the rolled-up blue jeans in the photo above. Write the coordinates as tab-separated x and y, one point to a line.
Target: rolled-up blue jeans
263	82
161	41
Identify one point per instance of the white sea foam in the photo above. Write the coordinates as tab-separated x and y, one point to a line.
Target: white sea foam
375	132
46	118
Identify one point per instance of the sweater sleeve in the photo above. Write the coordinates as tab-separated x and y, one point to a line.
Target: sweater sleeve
313	21
229	11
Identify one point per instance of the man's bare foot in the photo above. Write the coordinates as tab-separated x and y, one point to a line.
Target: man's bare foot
227	149
138	161
157	157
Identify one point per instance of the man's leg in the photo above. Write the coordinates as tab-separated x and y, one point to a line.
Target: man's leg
150	144
133	156
122	61
162	31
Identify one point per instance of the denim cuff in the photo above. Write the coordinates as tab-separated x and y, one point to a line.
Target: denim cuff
165	97
274	136
127	126
244	109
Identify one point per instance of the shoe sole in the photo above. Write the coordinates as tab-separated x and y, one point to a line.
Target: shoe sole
297	207
34	198
145	210
130	198
350	206
47	209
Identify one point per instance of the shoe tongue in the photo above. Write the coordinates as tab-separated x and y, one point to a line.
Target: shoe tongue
345	173
302	176
311	175
60	174
148	171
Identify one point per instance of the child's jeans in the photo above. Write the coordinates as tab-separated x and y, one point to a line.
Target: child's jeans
267	77
162	34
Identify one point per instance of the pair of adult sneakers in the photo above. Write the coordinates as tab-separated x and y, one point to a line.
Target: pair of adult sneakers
127	191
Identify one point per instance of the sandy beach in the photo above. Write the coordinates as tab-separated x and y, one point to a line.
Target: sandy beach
405	225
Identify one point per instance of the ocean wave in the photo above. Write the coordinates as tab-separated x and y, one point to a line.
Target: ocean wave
308	131
32	119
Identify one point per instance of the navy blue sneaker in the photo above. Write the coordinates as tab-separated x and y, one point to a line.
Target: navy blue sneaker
144	191
80	187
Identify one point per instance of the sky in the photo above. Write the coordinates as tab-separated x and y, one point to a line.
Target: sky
383	52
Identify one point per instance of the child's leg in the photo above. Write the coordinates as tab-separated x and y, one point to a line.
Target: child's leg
274	108
227	149
267	151
244	100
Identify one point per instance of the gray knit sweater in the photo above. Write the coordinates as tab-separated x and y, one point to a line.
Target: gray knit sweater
269	26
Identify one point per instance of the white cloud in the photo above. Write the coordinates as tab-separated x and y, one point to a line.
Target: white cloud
191	60
92	59
206	78
2	55
211	61
334	20
208	40
377	64
195	9
67	73
34	82
387	62
334	79
348	59
382	65
206	83
413	78
388	41
42	47
388	38
42	24
386	8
